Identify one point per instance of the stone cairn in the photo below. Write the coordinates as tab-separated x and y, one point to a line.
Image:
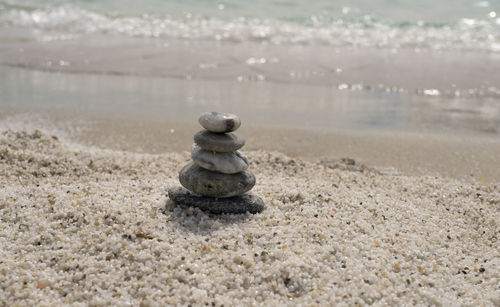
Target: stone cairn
217	180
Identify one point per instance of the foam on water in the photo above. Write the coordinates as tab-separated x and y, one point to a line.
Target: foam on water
461	25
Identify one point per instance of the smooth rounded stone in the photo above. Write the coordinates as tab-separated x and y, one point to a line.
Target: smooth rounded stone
223	162
236	205
219	122
218	142
213	184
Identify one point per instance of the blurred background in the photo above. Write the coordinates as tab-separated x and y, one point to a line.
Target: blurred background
130	73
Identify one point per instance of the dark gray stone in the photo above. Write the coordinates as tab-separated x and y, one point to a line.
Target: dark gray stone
218	142
237	204
223	162
219	122
213	184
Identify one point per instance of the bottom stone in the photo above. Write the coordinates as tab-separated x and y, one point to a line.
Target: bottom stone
236	204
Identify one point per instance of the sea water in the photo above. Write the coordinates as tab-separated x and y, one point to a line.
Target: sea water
436	24
394	64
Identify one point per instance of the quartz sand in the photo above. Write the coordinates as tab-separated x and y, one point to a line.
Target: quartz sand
87	226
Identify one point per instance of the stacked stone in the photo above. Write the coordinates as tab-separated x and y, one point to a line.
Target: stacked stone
217	180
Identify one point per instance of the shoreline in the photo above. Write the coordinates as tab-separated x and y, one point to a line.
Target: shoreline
406	70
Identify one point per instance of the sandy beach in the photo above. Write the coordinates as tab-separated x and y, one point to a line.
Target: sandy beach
371	198
82	225
372	128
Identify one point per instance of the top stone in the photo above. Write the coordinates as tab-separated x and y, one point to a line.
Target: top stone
219	122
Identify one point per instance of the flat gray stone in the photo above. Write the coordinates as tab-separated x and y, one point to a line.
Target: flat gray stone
219	122
218	142
223	162
236	205
213	184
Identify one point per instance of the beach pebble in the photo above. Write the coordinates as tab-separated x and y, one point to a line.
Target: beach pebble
237	204
223	162
218	142
213	184
219	122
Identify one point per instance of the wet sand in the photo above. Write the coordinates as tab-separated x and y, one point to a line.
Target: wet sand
470	157
411	154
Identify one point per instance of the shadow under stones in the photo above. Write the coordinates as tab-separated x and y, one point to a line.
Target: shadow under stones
200	222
